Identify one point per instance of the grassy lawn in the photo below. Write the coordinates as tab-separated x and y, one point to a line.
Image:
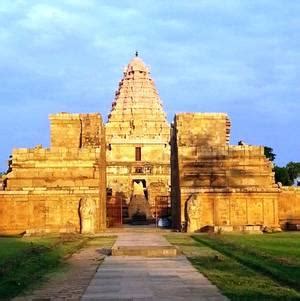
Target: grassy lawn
235	279
276	255
25	261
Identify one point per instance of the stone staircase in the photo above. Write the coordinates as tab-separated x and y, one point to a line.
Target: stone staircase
143	244
138	229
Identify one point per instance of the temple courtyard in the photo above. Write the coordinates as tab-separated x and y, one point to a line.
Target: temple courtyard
151	264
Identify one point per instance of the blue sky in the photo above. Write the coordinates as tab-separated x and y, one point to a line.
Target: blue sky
239	57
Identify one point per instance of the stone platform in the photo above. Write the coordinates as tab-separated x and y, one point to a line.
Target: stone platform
143	244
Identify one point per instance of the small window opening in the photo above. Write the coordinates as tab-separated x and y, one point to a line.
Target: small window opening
138	153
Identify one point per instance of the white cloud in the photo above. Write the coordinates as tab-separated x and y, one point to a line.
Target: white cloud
44	16
11	6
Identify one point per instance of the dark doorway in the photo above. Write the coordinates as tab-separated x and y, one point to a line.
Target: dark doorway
143	181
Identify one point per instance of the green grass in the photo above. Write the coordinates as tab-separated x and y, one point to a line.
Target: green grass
25	261
276	255
236	280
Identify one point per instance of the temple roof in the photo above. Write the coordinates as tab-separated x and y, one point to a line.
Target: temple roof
137	110
137	64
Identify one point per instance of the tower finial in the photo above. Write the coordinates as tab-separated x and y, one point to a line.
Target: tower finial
136	53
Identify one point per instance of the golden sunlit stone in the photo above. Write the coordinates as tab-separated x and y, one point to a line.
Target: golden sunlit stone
133	162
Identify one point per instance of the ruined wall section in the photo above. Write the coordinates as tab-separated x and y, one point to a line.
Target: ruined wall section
202	129
47	189
75	130
213	176
289	208
52	168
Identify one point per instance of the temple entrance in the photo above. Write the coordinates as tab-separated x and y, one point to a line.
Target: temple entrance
139	208
146	206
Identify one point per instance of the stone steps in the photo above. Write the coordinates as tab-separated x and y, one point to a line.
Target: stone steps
138	229
146	251
143	244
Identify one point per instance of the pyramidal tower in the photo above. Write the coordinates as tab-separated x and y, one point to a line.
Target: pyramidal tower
137	137
137	114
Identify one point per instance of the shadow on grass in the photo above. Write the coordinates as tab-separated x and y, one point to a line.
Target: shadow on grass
279	270
236	280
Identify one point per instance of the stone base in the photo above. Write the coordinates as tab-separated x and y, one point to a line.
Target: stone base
221	229
146	245
146	251
252	229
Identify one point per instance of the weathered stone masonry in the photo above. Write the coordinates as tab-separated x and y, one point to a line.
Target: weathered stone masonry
215	184
46	188
135	159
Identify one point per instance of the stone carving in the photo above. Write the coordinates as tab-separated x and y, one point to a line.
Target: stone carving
87	211
192	212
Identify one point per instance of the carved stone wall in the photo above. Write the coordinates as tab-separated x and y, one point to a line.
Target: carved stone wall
43	211
46	187
212	179
233	209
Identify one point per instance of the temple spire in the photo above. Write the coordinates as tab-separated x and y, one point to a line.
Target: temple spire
137	109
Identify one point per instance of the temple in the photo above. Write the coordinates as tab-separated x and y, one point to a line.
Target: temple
138	152
138	168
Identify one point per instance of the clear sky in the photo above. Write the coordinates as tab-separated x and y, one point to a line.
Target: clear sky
240	57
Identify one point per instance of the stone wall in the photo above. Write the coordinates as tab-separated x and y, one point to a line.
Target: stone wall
212	179
231	209
75	130
289	207
55	167
62	188
205	129
45	211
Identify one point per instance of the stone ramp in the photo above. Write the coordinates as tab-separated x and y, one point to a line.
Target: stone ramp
143	244
149	279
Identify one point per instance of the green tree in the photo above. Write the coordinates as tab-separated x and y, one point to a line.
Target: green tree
293	170
269	153
282	176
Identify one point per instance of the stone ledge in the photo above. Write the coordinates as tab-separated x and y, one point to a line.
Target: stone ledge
147	251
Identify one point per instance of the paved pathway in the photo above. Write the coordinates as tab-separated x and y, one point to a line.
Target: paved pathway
137	278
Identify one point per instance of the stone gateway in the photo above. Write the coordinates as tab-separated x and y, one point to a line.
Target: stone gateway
95	175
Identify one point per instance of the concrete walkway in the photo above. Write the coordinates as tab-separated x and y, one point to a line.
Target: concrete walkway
139	278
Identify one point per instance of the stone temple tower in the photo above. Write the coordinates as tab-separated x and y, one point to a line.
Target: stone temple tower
137	137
